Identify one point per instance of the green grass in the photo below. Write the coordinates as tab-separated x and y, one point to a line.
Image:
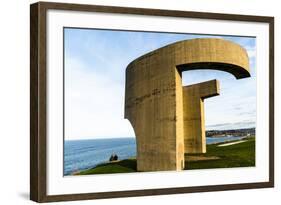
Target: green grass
124	166
237	155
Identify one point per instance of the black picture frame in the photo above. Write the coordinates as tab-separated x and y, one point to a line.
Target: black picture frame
38	100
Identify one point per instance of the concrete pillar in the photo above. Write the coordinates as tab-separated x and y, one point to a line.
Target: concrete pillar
194	116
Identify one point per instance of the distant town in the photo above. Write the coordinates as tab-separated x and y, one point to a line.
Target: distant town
236	132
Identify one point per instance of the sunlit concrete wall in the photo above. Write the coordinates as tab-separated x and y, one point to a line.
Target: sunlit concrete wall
194	116
154	96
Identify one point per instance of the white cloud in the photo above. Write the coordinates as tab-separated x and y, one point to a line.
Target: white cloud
251	50
94	104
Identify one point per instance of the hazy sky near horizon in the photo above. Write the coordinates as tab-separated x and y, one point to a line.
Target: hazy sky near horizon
95	63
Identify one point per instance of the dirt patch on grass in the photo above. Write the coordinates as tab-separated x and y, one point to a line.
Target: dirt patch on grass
200	158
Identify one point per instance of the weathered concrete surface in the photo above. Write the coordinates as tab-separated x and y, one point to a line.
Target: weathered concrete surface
194	116
154	100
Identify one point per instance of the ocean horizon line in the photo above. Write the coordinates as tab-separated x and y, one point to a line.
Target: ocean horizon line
103	138
100	138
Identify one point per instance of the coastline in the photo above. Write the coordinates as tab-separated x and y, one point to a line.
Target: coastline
129	165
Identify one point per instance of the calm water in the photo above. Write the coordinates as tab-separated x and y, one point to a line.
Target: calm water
84	154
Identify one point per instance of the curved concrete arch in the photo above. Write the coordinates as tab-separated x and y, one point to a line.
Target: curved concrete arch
154	95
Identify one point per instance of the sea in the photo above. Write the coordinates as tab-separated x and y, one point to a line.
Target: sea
84	154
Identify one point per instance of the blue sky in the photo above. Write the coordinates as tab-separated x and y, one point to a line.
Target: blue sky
95	63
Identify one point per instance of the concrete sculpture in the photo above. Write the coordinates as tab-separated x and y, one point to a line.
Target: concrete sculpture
154	96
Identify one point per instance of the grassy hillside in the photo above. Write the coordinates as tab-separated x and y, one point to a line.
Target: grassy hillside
236	155
123	166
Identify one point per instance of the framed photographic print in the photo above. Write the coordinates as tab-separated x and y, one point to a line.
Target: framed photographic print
134	102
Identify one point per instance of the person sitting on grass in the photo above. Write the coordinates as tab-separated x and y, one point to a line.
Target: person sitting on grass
113	157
